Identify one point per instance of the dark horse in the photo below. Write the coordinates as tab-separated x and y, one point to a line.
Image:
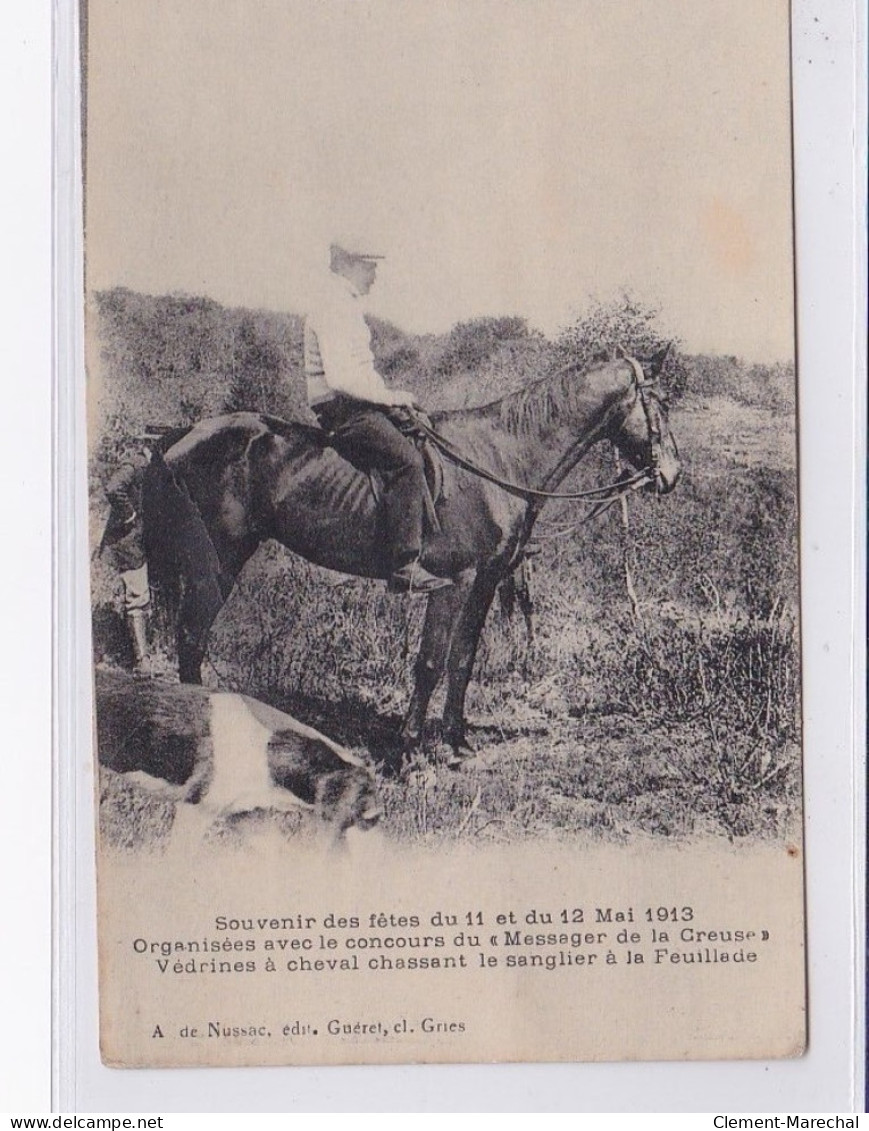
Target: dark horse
232	482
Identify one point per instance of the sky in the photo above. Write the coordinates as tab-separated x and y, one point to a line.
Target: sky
506	156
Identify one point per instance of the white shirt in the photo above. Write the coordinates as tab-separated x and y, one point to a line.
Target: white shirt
338	357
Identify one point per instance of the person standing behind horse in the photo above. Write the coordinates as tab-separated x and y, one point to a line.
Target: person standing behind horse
123	543
358	410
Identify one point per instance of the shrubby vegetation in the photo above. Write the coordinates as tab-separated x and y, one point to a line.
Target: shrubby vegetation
675	714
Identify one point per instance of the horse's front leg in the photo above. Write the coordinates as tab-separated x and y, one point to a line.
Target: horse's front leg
443	609
463	652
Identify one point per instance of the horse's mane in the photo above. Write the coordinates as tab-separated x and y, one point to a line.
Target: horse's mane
536	407
542	404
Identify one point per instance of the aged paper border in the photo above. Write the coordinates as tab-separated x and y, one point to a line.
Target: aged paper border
820	777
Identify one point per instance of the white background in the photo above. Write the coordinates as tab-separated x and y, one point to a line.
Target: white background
830	193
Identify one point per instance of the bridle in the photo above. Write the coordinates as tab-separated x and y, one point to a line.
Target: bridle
651	399
648	393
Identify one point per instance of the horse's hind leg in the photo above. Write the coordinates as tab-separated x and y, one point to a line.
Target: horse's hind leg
444	607
190	657
197	612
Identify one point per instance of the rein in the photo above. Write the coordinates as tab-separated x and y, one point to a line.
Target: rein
604	497
598	493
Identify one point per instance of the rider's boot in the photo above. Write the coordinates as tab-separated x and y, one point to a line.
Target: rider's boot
413	578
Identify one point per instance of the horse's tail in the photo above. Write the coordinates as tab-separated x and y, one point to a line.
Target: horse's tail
183	564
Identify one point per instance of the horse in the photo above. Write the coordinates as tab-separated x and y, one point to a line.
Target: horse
231	482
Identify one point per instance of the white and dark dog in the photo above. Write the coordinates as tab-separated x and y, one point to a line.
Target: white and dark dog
220	756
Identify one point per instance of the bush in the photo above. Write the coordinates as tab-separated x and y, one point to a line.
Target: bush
469	344
738	675
625	323
772	387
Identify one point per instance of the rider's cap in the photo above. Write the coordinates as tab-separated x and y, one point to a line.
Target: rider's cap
340	255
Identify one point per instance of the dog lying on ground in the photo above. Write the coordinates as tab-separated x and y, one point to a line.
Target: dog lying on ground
223	756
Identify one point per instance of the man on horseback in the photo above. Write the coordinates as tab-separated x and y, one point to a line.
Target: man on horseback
360	412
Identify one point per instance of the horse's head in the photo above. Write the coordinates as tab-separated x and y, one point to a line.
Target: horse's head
643	437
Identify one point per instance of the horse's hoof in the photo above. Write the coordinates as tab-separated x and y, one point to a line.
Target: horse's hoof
461	747
421	776
461	753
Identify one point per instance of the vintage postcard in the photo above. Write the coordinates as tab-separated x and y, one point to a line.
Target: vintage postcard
443	500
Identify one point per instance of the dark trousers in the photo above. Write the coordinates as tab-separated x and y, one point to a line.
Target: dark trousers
365	436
